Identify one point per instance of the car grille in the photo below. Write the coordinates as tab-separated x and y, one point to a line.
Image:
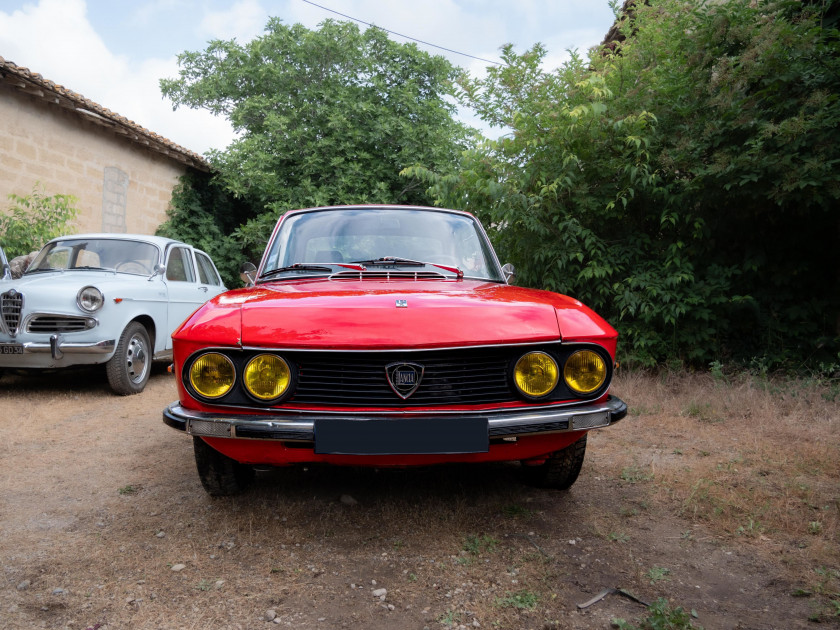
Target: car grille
11	305
450	377
49	324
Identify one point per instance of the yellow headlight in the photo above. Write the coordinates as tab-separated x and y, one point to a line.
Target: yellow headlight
267	377
585	371
536	374
212	375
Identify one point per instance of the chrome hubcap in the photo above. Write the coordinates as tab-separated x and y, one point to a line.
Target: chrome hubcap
136	359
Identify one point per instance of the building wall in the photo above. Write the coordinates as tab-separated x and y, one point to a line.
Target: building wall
120	185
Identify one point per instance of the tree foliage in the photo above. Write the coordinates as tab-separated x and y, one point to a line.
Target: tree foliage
32	220
684	184
324	117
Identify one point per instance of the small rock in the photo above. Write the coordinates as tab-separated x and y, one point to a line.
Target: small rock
59	591
24	585
219	584
572	542
178	567
390	607
346	499
161	534
381	593
270	615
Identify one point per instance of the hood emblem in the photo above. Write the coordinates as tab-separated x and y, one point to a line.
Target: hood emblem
402	303
404	378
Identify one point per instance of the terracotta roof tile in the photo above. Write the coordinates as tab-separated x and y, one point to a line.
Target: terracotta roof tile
36	85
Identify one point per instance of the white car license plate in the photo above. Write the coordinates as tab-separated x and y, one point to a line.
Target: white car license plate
11	348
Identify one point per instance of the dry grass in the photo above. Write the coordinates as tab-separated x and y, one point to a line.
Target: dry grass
722	497
753	460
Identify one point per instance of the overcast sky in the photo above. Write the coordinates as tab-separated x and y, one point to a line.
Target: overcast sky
115	51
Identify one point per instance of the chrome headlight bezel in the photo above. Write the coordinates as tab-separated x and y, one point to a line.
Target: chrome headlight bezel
90	299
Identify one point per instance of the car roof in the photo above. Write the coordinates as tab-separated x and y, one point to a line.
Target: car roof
161	241
383	206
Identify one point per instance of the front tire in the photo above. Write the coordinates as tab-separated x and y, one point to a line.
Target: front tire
128	370
220	475
561	469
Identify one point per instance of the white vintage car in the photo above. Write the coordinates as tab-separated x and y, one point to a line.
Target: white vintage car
103	298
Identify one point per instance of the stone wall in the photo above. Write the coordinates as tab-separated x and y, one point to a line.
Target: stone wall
120	185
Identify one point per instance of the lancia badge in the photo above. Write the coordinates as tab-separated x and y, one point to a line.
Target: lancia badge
402	303
404	378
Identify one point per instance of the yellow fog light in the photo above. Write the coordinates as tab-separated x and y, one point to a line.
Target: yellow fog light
536	374
267	377
212	375
585	371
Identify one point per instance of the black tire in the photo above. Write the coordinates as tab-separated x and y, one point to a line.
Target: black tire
220	475
129	368
561	469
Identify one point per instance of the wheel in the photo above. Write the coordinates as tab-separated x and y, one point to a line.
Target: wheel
129	368
220	475
561	469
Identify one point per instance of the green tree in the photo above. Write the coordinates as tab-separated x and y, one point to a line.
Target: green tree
325	116
683	183
33	219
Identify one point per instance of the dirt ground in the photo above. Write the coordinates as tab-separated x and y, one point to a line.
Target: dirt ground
105	525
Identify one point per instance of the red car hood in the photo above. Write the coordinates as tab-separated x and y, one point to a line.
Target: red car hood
369	315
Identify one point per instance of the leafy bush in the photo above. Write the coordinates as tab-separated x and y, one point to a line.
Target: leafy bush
34	219
683	183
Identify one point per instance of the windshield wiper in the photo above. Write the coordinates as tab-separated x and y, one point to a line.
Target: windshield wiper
391	260
396	260
322	267
296	267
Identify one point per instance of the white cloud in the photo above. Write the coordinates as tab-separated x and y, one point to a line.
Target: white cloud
86	66
243	21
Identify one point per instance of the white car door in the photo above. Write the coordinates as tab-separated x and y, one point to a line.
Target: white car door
208	276
186	293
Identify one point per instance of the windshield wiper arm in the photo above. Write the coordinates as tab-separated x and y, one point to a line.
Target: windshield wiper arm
296	267
396	260
324	267
391	260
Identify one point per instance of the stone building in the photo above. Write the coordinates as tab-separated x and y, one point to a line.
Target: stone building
121	173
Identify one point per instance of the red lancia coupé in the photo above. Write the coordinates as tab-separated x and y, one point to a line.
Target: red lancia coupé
389	336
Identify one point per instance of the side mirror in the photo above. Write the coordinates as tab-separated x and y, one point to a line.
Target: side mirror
248	273
509	272
159	270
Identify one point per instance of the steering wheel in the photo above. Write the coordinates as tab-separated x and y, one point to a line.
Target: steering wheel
132	266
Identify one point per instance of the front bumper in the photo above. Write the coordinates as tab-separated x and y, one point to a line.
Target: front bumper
296	426
51	352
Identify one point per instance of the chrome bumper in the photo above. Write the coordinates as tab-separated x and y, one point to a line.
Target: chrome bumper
57	347
300	426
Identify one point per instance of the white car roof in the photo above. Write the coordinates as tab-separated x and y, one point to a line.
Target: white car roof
160	241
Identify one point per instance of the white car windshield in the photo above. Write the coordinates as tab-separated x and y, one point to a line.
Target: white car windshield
393	236
123	256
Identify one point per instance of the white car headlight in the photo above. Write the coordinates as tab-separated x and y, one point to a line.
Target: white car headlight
90	299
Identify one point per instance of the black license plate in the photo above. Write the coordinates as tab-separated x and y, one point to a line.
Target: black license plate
403	436
11	348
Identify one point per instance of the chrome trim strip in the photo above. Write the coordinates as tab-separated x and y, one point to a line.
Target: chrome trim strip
93	347
558	341
296	426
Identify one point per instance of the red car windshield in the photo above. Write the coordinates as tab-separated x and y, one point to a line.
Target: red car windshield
376	235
